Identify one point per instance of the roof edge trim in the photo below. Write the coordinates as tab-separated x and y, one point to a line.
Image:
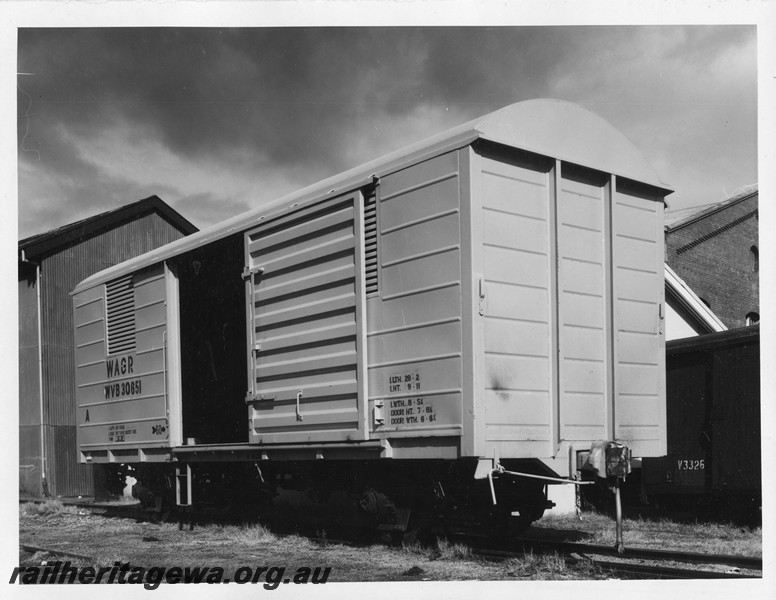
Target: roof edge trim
691	302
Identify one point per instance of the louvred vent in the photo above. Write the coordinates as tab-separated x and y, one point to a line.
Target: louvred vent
370	244
120	306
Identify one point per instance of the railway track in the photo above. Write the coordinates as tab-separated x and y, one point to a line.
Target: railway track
633	563
742	562
641	571
662	562
53	552
655	564
623	567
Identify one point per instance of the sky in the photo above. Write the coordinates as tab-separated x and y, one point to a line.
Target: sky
217	121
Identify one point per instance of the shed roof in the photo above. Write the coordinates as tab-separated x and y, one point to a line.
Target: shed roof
553	128
49	241
681	218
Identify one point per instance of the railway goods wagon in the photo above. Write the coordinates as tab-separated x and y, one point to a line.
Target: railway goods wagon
713	415
442	332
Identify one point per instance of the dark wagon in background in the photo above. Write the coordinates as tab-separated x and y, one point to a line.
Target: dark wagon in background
713	465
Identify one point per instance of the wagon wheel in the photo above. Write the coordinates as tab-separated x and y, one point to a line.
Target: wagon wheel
419	531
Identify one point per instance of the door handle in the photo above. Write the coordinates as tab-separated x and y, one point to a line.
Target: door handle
298	398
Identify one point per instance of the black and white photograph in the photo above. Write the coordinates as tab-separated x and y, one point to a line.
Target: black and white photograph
385	297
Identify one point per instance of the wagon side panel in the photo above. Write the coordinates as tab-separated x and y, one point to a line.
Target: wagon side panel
583	305
121	381
414	329
516	307
639	331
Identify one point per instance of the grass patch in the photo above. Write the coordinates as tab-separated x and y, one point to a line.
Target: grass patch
549	567
49	508
419	550
248	534
713	538
295	543
447	550
109	540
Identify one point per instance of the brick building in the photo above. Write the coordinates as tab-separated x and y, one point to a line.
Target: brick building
715	250
50	266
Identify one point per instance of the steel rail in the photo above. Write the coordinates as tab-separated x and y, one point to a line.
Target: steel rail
36	549
628	569
637	571
623	567
744	562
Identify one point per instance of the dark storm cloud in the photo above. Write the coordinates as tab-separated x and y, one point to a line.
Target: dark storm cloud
64	188
292	93
286	92
487	69
265	111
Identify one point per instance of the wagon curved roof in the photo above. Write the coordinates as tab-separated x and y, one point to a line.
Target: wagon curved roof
568	132
554	128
